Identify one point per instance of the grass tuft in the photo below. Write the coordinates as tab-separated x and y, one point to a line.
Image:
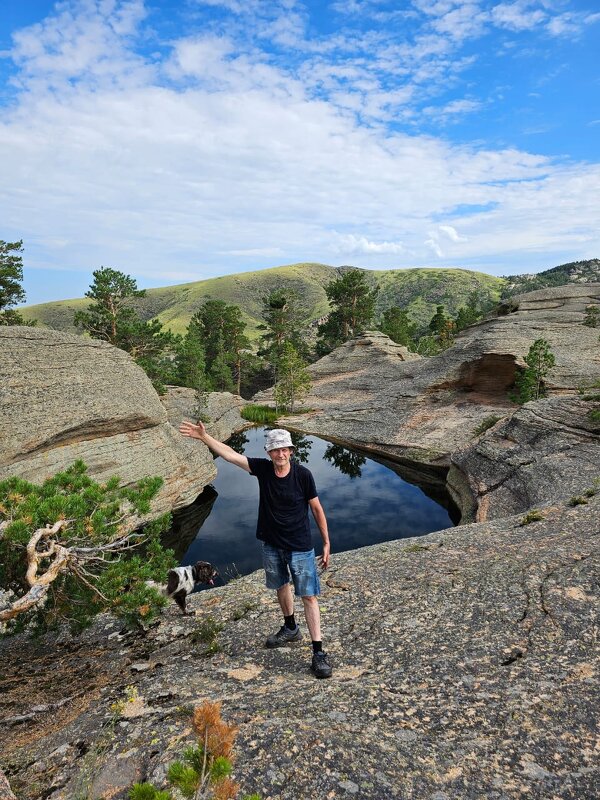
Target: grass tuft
532	516
486	424
259	414
578	500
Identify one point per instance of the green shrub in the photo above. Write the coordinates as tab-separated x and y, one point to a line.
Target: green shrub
532	516
259	414
486	424
578	500
88	551
415	548
184	777
147	791
207	632
592	316
590	394
529	383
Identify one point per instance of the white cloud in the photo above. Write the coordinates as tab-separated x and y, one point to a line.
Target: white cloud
179	167
445	232
518	16
350	244
263	252
452	234
570	24
453	109
433	244
466	21
84	42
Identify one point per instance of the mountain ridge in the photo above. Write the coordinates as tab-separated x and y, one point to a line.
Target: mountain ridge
418	289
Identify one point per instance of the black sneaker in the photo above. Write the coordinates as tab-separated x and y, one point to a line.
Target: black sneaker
284	636
320	665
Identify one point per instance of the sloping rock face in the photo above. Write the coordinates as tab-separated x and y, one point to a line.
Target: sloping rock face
383	398
64	398
222	409
546	451
466	666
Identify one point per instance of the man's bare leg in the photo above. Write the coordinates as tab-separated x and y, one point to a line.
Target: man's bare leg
286	599
285	634
313	617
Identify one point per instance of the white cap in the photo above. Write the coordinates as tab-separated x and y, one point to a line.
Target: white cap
277	438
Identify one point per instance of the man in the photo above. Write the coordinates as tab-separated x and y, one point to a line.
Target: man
287	490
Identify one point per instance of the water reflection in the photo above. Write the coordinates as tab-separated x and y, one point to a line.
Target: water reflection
302	446
347	461
366	502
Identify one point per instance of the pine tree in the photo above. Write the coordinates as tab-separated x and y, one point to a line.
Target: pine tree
294	380
442	327
70	545
592	316
529	383
111	313
11	276
191	357
397	325
281	327
225	343
220	370
113	319
471	312
438	320
353	306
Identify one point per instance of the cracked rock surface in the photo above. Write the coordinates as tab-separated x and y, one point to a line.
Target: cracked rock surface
466	665
546	451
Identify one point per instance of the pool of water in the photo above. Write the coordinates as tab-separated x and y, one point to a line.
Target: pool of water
365	501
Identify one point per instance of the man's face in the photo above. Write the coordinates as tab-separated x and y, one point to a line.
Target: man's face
280	456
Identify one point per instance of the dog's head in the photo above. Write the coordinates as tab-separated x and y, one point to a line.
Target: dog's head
204	572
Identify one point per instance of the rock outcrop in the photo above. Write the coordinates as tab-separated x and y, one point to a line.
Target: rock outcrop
546	451
65	397
466	666
427	413
222	409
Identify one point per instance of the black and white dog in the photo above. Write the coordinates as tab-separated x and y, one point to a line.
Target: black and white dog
181	581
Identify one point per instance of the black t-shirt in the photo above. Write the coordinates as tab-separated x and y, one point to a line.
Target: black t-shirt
283	505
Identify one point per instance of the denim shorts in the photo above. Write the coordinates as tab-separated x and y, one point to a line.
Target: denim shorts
280	564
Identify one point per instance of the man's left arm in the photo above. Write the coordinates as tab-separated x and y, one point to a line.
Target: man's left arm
321	520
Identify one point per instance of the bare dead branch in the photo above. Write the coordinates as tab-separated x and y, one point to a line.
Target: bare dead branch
73	558
33	557
91	586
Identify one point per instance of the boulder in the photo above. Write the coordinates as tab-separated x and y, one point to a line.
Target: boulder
66	397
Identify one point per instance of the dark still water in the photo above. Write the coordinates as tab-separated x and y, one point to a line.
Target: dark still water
365	503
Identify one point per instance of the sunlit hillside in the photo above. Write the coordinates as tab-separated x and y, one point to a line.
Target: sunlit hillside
419	290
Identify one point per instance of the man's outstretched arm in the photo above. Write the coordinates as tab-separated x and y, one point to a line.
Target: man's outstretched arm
228	453
320	519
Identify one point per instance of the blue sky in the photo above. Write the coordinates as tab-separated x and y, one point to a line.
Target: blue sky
177	141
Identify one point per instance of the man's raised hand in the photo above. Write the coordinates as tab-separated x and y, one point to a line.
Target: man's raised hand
194	431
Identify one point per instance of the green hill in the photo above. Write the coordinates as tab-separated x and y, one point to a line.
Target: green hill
420	290
573	272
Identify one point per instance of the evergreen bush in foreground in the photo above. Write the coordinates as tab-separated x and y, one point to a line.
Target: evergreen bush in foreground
69	549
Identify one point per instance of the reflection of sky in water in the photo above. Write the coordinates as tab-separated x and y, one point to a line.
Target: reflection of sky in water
377	507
